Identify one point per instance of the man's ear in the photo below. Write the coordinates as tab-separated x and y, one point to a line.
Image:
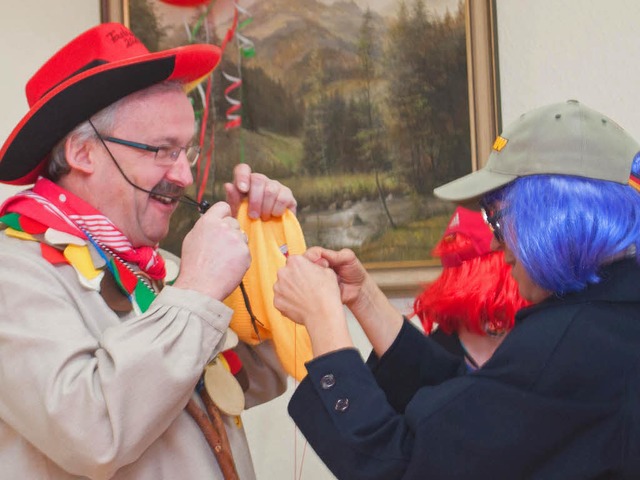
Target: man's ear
80	154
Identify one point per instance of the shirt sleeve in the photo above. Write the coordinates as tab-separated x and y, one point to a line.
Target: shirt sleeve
91	391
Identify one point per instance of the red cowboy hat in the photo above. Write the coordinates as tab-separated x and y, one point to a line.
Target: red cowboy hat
97	68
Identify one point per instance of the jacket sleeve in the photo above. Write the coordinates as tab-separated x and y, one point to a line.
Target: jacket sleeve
343	406
412	362
348	421
452	428
88	390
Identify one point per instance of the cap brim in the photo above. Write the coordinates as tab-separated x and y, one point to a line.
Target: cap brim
473	186
24	154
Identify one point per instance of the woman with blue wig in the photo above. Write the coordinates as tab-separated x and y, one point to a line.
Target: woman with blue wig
560	397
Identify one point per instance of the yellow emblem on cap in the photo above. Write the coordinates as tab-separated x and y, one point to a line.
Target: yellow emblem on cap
500	143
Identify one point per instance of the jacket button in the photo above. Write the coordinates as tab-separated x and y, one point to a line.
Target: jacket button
328	381
342	404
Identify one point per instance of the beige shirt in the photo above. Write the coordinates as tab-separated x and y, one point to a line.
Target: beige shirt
85	393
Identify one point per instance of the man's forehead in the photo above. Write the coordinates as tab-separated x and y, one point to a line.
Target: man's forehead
156	112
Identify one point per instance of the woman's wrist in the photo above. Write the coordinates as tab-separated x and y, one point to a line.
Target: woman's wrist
329	333
371	303
379	319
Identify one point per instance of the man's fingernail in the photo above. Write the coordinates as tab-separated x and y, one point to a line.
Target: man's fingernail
243	186
253	214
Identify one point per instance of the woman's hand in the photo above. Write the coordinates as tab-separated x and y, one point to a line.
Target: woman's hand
352	276
380	320
308	293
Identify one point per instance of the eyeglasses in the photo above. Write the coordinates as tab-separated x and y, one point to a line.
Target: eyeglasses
492	218
165	155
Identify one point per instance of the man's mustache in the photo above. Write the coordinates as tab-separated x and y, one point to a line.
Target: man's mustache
168	190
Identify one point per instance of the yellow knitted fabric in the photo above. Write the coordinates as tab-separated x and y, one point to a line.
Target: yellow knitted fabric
270	243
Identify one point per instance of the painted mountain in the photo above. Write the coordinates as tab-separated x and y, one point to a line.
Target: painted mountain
293	37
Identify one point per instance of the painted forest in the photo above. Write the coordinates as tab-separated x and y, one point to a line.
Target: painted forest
361	113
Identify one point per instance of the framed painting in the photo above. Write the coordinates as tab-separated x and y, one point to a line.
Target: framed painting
360	107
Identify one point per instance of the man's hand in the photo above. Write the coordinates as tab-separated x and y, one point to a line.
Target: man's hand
215	254
267	198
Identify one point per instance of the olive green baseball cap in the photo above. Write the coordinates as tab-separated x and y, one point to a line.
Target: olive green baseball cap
566	138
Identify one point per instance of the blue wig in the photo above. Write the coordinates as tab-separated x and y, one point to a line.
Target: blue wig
563	228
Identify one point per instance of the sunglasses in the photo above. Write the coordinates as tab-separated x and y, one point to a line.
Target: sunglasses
492	217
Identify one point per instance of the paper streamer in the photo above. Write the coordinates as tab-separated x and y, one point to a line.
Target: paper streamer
234	119
247	50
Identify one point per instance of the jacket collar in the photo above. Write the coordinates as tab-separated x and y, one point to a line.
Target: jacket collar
620	282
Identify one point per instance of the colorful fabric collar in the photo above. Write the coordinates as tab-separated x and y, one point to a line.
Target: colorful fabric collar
88	260
50	205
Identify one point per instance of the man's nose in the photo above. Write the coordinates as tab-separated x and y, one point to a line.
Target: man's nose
180	171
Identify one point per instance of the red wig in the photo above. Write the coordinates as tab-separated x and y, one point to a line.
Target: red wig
475	290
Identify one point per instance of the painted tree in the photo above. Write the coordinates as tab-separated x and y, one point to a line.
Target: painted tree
315	159
427	95
370	137
144	24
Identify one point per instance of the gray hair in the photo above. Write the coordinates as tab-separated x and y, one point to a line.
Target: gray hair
104	121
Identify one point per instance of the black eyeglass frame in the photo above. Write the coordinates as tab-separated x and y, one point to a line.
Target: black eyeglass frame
171	149
492	218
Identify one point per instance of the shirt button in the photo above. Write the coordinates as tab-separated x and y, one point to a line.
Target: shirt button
328	381
342	404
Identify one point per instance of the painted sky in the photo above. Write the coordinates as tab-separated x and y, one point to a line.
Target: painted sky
172	14
387	7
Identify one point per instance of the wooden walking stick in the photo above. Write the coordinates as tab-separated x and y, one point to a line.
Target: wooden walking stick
215	434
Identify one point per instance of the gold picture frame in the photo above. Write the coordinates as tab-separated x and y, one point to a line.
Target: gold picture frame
114	11
405	278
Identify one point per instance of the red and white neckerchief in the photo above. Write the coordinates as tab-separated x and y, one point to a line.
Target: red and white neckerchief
61	210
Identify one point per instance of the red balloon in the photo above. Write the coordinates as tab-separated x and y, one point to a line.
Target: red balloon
186	3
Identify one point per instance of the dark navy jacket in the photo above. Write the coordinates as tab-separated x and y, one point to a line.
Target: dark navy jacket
560	398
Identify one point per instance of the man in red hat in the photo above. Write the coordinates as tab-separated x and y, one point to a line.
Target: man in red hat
100	362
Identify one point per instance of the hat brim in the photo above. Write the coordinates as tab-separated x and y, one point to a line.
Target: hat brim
472	186
25	153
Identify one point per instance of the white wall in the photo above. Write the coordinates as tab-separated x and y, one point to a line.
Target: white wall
551	51
31	31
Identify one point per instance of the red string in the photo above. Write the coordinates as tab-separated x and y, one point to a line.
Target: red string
231	31
203	176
